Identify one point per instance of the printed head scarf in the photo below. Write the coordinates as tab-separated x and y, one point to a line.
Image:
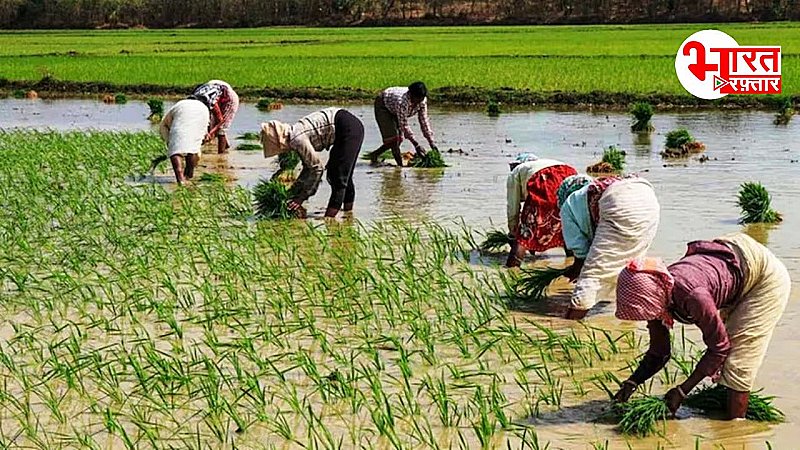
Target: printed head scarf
570	185
644	289
274	137
522	158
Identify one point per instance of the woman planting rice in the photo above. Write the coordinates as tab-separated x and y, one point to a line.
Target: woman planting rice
537	228
606	223
183	129
332	128
733	288
222	102
393	107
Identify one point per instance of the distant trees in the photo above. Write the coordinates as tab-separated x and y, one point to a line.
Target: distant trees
249	13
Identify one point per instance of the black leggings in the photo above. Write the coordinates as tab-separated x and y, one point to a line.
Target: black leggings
343	157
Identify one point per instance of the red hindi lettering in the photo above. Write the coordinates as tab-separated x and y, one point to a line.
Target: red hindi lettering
699	68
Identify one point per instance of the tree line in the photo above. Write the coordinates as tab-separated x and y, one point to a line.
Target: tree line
19	14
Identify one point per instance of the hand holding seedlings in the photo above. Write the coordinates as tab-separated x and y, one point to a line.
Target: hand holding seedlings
673	398
627	389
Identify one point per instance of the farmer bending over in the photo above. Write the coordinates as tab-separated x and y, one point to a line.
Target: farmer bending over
534	183
393	107
333	128
733	288
183	129
222	102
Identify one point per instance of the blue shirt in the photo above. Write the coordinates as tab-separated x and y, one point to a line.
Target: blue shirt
576	223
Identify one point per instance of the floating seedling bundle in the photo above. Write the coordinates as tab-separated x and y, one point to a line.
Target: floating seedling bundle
713	399
680	144
493	108
156	110
212	177
642	112
495	240
248	147
640	417
756	204
430	160
532	284
613	162
785	112
271	197
268	104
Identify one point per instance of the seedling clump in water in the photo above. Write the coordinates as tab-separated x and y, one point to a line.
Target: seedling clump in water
639	417
493	108
249	136
680	144
785	112
430	160
495	240
270	200
642	112
713	399
531	285
248	147
156	110
613	162
756	204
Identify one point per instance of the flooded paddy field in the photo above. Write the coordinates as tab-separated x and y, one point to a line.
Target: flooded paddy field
138	315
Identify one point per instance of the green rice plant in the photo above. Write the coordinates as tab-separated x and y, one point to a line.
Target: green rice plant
640	417
642	112
531	285
156	106
387	154
18	94
493	108
288	161
678	138
248	147
495	240
785	112
264	103
614	157
431	159
713	399
120	99
756	204
270	200
210	177
249	136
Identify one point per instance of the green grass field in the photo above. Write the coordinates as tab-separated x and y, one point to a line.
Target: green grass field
611	59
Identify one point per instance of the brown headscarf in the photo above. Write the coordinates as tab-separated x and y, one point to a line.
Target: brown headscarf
274	137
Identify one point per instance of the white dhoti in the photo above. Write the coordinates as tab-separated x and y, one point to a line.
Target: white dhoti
184	127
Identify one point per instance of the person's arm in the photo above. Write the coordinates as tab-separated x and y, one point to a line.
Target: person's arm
576	239
402	121
165	126
311	175
654	360
425	122
703	310
512	201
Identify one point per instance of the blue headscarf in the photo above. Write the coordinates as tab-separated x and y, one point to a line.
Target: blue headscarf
525	157
569	185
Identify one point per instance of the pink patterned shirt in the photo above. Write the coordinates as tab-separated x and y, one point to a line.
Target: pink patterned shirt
398	102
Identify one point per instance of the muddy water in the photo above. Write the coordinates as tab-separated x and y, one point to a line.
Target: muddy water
697	202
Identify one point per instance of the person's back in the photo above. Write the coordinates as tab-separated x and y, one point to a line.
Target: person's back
187	122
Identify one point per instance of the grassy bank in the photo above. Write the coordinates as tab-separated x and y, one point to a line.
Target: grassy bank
520	65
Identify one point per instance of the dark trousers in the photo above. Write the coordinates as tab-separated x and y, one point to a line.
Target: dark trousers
343	157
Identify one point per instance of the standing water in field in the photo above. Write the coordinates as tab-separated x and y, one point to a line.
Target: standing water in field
698	202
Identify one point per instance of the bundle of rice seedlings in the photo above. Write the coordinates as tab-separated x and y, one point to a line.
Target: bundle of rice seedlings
756	204
613	162
156	110
212	177
680	144
678	138
264	104
493	108
288	160
382	157
18	94
431	159
532	284
640	416
270	200
246	147
120	99
249	136
785	112
642	112
711	399
495	240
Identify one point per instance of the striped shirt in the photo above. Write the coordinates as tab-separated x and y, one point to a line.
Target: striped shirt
398	102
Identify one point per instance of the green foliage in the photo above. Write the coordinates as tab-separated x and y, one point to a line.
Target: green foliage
120	99
615	158
210	177
270	200
642	112
431	159
495	240
531	285
640	417
678	138
18	94
493	108
249	136
248	147
713	399
756	204
156	106
288	161
785	112
264	104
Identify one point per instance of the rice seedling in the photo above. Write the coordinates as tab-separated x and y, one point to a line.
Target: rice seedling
531	284
120	99
264	104
641	416
785	112
756	204
248	147
210	177
613	161
18	94
713	399
642	112
431	159
156	110
270	200
495	240
680	143
249	136
493	108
